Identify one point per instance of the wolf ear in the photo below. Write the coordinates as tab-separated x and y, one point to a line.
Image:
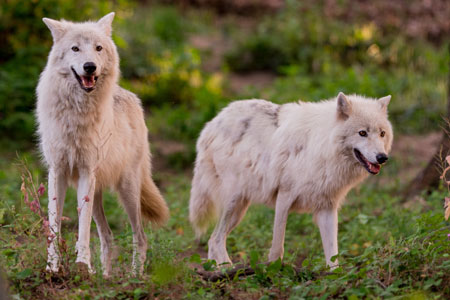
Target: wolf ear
106	23
57	28
344	107
384	102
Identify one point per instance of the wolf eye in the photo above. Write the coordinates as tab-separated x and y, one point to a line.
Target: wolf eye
383	133
99	48
75	49
363	133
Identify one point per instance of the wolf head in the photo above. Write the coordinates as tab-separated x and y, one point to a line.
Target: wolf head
365	130
83	53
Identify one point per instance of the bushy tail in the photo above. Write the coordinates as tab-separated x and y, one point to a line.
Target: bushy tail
153	206
202	212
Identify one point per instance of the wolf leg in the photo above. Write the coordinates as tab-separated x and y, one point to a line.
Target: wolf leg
282	208
231	216
327	220
85	197
129	190
104	232
57	187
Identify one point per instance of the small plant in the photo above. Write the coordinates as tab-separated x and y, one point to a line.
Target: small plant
31	197
447	182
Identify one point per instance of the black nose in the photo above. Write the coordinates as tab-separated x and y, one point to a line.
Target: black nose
89	67
381	158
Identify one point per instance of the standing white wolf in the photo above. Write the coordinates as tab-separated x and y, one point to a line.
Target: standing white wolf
301	157
93	136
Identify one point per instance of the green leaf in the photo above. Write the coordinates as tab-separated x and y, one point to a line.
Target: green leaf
195	258
8	252
209	265
2	215
254	257
24	274
305	262
275	266
137	293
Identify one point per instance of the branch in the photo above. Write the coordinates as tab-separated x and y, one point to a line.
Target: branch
239	270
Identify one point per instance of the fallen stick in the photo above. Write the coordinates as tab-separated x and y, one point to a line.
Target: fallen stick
239	270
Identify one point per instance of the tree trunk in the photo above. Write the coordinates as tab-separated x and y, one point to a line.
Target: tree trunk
430	176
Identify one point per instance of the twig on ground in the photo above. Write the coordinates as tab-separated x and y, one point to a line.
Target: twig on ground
239	270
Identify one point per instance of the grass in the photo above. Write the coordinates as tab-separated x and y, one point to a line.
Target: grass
387	249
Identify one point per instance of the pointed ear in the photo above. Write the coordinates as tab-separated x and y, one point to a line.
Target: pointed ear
384	102
344	106
106	23
57	28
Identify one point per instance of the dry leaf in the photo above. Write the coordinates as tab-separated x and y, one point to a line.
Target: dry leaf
447	207
41	190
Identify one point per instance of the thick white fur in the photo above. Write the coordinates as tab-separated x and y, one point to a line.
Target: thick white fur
93	141
294	157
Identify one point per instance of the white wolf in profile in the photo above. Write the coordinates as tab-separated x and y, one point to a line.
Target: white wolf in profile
302	157
93	136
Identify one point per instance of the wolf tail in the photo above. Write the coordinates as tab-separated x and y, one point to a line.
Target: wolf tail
153	206
202	210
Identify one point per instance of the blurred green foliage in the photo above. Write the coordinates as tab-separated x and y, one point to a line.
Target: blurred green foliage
160	65
315	57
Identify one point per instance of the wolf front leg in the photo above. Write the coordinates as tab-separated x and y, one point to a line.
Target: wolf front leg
85	197
57	187
282	207
327	220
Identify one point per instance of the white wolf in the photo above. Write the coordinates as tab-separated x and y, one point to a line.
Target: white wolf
93	136
301	157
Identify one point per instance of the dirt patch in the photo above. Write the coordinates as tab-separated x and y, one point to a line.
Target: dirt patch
414	152
214	47
258	80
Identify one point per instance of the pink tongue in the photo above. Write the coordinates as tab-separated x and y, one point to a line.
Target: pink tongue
375	168
88	81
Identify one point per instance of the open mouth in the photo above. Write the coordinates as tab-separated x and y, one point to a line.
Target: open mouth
87	83
370	167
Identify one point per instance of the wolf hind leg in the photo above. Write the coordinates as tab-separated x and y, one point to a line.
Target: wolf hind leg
129	190
231	216
105	234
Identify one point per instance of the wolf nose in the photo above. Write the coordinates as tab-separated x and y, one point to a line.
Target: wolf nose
89	67
381	158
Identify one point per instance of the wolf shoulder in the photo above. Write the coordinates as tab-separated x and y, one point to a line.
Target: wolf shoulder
124	100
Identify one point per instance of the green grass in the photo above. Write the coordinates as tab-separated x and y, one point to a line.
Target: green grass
386	249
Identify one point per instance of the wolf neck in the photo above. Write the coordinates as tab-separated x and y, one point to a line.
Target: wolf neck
312	127
75	101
